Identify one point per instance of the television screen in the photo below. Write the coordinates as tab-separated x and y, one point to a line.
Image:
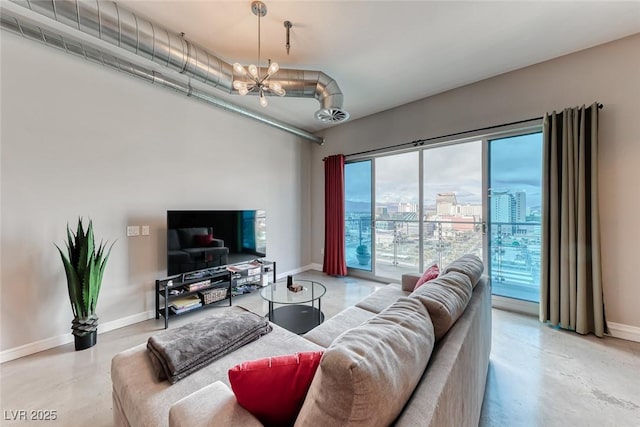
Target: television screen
205	239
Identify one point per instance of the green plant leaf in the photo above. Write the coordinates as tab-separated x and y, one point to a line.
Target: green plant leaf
84	267
73	283
102	263
92	282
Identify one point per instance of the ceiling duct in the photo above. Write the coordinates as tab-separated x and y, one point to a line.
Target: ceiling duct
121	28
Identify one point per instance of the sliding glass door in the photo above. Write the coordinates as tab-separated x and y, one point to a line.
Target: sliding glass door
515	188
358	208
408	210
397	235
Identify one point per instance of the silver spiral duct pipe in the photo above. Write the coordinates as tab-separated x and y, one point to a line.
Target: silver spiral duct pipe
32	31
122	28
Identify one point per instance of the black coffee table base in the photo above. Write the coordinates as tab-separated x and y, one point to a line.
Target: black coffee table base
297	318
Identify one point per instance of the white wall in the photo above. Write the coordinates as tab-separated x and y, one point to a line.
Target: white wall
79	139
609	74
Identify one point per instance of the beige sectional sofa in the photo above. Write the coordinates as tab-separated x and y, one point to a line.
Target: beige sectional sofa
387	361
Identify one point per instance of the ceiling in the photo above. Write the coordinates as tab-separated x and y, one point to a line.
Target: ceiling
388	53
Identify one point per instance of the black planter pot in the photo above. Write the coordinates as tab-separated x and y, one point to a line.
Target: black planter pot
86	341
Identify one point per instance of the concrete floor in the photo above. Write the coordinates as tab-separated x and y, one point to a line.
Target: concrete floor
538	376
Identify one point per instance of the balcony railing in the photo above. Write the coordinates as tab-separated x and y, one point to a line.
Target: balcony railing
515	259
514	249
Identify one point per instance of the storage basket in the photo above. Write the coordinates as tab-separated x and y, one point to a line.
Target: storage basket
213	295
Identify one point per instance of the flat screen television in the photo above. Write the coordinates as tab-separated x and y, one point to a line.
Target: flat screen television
199	239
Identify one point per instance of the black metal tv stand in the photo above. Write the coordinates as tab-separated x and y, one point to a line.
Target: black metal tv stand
175	295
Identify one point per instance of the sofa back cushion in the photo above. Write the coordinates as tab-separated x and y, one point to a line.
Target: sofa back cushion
173	242
369	372
445	298
202	240
187	235
469	265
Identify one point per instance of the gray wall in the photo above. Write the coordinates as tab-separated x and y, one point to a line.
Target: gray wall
609	74
79	139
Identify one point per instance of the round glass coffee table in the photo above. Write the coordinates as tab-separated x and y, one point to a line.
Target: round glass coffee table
295	315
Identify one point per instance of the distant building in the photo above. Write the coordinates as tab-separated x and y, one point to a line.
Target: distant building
459	223
501	206
407	207
382	211
520	208
510	208
446	204
469	210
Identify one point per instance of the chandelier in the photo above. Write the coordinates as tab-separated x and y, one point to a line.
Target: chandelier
257	83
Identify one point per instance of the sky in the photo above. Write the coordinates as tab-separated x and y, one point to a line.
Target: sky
515	165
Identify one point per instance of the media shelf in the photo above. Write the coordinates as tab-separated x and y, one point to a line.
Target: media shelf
201	289
247	277
192	291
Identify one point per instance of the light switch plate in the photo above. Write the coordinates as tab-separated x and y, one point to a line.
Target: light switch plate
133	230
145	230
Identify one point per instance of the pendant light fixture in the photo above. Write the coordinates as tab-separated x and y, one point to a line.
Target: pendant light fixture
256	82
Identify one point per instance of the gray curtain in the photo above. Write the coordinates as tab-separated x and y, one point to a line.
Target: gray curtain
571	279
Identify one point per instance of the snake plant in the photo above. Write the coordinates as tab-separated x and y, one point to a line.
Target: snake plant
84	266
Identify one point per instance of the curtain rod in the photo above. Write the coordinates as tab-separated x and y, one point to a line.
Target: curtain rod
418	142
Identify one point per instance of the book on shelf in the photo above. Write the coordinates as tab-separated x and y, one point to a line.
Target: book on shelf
185	309
198	285
248	268
185	302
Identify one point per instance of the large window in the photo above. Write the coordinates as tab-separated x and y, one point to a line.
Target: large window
434	204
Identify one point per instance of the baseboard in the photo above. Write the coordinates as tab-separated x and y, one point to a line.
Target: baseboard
616	330
35	347
47	343
625	332
515	305
302	269
315	266
126	321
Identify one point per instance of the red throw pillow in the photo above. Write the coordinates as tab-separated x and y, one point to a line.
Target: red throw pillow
273	389
429	274
202	240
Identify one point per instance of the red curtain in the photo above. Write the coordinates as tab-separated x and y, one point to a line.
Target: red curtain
334	258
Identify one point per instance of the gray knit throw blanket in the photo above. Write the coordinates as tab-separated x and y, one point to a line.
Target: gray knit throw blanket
177	353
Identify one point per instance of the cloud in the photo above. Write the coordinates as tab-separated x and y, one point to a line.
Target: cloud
515	165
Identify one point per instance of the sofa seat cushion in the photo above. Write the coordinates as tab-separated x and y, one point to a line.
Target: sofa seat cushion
382	298
446	298
369	372
146	400
211	406
469	265
327	332
177	256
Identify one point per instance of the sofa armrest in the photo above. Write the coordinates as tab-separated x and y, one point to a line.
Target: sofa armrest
211	406
409	282
216	243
